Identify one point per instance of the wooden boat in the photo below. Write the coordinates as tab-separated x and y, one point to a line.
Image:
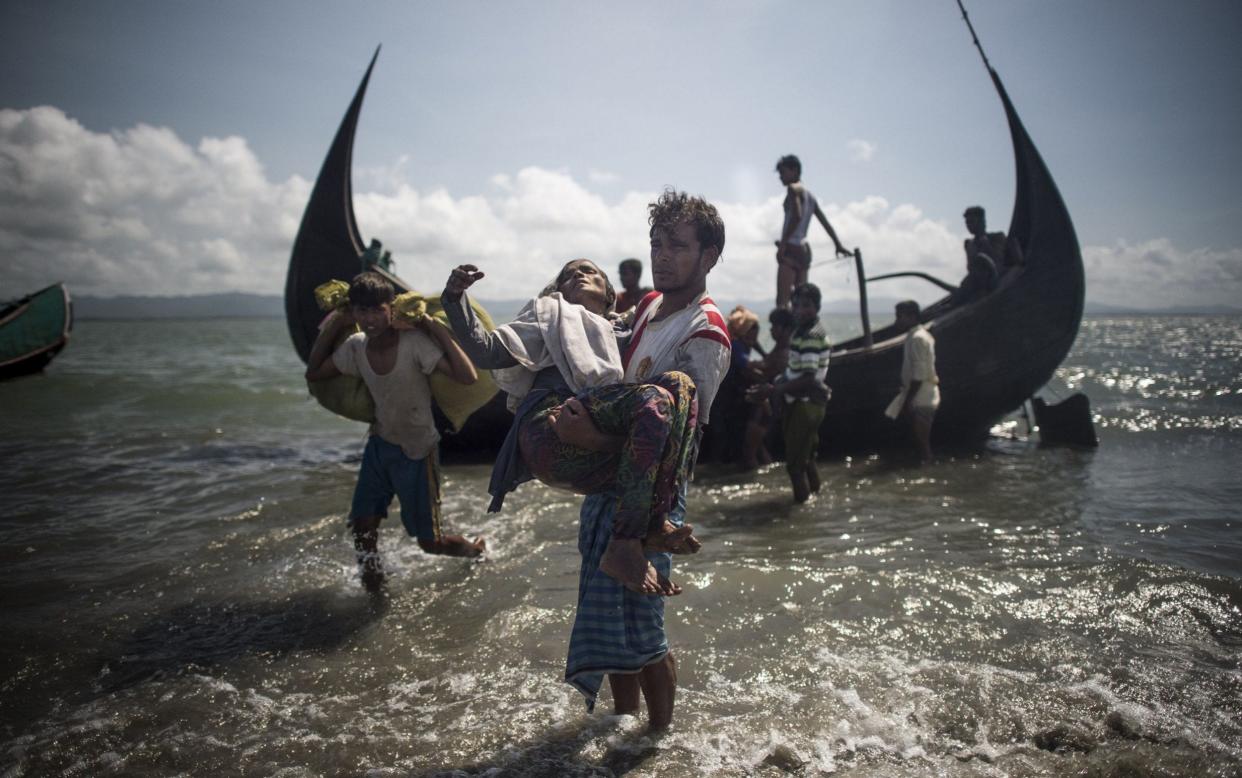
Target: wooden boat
992	354
33	330
329	246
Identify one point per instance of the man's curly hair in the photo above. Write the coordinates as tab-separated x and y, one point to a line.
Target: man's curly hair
675	207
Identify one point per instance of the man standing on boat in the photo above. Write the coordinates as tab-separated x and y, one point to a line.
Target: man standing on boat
793	252
617	632
920	387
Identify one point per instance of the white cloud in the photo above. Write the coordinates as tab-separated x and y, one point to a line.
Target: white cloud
140	211
1157	274
137	211
602	177
861	150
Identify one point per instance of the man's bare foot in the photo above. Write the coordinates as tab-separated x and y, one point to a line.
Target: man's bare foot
624	561
366	550
372	580
454	545
671	539
801	489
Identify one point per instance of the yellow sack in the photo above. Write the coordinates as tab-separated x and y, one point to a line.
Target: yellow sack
458	401
348	396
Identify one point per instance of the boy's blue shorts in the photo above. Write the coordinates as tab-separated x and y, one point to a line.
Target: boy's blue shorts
387	471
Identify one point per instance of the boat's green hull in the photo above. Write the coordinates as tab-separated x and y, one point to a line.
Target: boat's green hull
33	330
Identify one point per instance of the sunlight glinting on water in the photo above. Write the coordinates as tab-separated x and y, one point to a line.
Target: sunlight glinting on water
1014	611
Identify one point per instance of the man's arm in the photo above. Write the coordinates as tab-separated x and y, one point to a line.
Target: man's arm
705	361
798	386
911	391
841	249
806	385
454	364
319	364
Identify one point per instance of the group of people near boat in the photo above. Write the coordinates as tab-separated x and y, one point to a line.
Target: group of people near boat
610	394
610	409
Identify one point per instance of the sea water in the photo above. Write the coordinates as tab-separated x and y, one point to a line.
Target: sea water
179	594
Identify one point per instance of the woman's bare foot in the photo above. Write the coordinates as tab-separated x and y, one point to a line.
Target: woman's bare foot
454	545
671	539
624	561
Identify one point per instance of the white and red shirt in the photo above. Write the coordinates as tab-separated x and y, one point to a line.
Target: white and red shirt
693	340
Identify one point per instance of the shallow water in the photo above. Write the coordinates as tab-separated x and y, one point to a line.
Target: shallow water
180	598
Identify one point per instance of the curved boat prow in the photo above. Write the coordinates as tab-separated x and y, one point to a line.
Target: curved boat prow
33	330
328	244
1041	222
993	352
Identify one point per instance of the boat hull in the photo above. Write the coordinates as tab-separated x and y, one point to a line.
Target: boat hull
991	354
33	330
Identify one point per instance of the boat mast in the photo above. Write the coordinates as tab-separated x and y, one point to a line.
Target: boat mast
973	37
868	340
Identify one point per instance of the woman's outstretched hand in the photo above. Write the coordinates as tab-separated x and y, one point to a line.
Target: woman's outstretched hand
460	279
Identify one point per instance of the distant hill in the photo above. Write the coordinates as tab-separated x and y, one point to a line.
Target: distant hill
203	306
242	305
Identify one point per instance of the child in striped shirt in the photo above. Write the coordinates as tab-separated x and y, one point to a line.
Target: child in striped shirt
802	393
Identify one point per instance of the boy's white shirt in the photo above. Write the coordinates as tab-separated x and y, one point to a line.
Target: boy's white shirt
403	395
550	331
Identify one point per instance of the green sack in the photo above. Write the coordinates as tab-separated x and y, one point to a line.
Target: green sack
344	395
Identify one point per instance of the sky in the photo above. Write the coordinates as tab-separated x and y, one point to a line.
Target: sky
161	147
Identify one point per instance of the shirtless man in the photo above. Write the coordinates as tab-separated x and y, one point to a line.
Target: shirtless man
793	252
988	255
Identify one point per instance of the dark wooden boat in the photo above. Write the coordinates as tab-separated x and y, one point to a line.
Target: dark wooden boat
992	354
329	246
33	330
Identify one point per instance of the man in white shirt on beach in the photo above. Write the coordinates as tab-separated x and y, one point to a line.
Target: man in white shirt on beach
920	386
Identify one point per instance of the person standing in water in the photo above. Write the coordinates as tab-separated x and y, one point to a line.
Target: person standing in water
562	346
617	632
801	394
920	386
401	453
